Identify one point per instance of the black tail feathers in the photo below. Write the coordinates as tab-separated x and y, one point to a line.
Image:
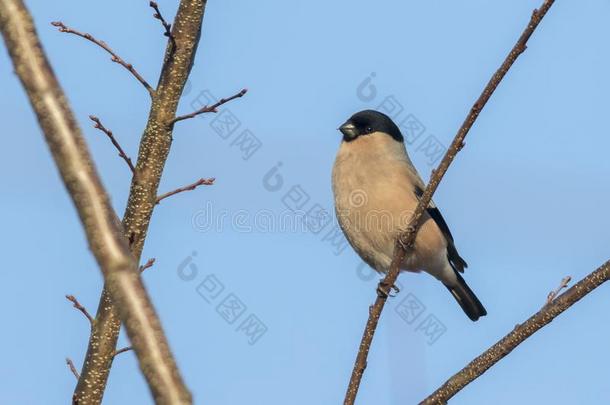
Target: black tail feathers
466	298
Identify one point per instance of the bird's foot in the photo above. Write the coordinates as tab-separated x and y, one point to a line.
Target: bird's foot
404	245
383	291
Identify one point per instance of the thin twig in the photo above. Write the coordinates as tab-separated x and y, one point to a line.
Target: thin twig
81	308
172	47
190	187
114	57
553	294
405	241
209	109
147	265
166	25
518	335
123	350
98	124
72	368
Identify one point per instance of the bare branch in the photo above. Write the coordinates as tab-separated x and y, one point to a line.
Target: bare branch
166	25
209	109
81	308
553	294
190	187
114	56
518	335
98	124
147	265
104	233
123	350
72	368
405	241
154	148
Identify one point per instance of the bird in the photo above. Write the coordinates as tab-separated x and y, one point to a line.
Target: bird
376	188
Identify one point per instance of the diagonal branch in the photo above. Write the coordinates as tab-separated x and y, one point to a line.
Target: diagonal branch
154	149
190	187
209	109
114	57
103	231
553	294
147	265
405	241
159	16
81	308
98	124
70	364
123	350
518	335
168	32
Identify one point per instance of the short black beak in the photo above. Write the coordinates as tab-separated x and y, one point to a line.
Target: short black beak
348	130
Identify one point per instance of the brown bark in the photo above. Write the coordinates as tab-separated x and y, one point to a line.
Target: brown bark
154	149
405	242
103	230
519	334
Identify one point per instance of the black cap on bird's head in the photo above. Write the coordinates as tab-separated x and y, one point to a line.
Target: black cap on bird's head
367	122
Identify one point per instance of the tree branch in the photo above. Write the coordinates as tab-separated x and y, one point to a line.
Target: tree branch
154	149
208	109
72	368
81	308
114	57
190	187
405	241
147	265
123	350
553	294
98	124
102	229
518	335
159	16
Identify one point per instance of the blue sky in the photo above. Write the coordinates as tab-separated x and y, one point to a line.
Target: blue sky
526	200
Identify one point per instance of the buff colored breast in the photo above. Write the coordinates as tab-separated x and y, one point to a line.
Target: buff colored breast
374	200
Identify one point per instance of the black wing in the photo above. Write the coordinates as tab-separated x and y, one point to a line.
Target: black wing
455	259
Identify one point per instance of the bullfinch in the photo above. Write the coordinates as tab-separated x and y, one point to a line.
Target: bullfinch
376	189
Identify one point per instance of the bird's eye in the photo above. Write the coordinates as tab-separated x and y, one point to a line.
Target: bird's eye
369	129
